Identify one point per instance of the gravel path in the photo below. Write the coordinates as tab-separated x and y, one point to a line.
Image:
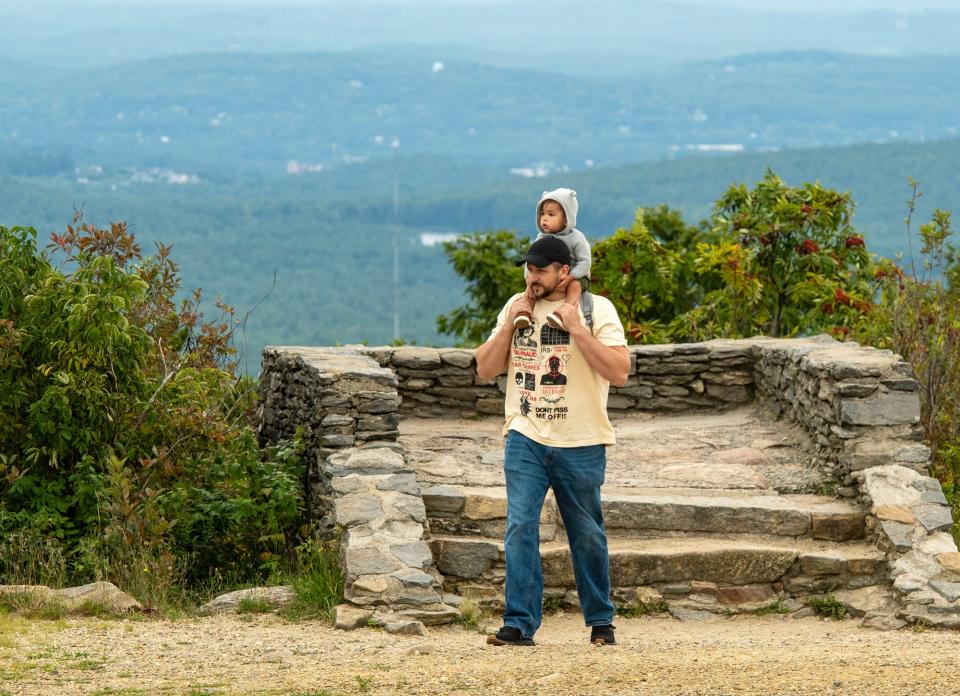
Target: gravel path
265	655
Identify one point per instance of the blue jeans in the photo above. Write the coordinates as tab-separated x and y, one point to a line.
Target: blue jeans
575	474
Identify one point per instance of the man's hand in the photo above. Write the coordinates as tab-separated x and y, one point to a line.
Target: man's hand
570	316
524	303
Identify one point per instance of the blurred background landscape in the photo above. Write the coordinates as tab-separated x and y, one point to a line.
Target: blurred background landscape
296	149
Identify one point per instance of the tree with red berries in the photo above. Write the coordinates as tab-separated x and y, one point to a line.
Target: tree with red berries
786	261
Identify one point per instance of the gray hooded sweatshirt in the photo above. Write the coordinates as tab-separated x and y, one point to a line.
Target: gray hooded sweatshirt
572	237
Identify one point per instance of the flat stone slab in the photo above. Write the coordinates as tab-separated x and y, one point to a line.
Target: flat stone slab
758	514
707	451
635	562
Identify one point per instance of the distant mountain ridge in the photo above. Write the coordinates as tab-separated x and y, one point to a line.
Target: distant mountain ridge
605	37
204	113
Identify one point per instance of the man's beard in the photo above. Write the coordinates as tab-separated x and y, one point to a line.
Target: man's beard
540	290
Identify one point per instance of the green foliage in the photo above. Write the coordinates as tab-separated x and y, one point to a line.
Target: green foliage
254	605
641	608
486	261
553	604
777	607
918	316
317	581
785	261
827	605
645	273
471	614
126	440
29	558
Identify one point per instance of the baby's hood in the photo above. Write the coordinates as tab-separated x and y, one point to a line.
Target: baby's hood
567	198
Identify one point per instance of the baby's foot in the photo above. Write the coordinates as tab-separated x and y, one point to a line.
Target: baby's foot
522	321
555	321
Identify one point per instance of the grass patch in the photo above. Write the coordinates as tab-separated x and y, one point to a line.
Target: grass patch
827	605
29	558
641	608
471	614
317	582
553	605
777	607
33	604
254	605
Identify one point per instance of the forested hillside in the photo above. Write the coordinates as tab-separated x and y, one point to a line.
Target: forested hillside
328	235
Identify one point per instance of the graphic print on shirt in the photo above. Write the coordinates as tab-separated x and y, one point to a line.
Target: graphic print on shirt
550	336
539	371
553	376
523	338
553	382
524	405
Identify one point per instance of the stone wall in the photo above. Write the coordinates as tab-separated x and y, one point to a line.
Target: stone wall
911	519
438	382
859	405
335	398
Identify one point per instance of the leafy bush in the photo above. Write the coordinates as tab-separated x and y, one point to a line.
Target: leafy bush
918	316
642	278
827	605
487	262
126	437
785	261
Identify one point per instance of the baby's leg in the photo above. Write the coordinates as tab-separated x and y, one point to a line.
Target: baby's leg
524	319
572	298
574	290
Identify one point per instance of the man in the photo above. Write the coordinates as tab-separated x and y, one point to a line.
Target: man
557	435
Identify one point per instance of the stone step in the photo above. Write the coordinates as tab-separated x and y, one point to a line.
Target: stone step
798	567
482	511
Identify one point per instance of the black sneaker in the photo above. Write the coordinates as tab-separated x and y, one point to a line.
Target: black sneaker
508	635
602	635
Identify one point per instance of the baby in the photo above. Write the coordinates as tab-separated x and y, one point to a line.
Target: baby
557	215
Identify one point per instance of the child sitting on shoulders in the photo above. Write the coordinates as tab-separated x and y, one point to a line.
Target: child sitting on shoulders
557	215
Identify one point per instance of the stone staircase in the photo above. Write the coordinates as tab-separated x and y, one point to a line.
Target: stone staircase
719	548
747	475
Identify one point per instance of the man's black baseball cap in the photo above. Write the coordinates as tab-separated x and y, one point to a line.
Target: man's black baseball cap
545	251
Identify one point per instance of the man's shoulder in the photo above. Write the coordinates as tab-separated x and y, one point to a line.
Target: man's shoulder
602	304
513	298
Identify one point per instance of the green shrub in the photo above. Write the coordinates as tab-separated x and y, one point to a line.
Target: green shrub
777	607
486	261
127	448
827	605
29	558
254	605
471	614
918	316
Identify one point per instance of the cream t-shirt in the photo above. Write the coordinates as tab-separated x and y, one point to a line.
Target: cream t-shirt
553	396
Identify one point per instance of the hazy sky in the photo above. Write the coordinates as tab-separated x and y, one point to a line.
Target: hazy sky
792	5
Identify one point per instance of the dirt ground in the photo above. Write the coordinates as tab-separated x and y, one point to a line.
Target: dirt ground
243	654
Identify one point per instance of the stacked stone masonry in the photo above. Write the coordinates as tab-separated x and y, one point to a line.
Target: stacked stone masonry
858	406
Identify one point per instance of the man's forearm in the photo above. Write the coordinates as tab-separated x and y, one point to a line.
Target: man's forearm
610	362
493	355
